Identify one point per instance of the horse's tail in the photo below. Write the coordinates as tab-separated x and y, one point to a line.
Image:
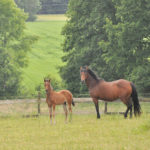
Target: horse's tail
73	103
134	95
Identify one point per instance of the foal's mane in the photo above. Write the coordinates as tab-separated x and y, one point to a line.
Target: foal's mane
93	74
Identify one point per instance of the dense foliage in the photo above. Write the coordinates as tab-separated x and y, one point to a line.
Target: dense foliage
31	7
14	45
112	37
53	6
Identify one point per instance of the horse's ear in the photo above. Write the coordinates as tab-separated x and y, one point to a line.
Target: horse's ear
86	67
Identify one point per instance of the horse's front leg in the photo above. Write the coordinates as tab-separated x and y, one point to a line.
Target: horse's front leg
50	113
96	107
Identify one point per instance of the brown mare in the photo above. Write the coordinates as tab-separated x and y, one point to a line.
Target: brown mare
54	98
121	89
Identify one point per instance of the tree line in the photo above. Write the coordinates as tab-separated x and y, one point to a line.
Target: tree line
14	45
110	36
34	7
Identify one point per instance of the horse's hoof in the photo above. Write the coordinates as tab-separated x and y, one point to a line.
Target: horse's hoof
125	117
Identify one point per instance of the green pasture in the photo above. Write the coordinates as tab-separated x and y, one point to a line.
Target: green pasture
85	132
20	129
45	57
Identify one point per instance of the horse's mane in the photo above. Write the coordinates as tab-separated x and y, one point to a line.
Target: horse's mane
93	74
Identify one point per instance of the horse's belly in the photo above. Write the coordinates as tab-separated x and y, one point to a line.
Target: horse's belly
109	95
109	98
60	102
58	99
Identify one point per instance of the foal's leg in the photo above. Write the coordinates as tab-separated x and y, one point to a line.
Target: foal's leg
50	114
96	107
54	114
66	112
70	112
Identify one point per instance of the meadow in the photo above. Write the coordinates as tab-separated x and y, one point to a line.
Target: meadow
45	56
22	129
85	132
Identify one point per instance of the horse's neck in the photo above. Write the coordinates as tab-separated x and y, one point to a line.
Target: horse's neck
91	82
50	92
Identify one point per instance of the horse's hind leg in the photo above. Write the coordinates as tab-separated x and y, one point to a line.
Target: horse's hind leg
129	107
70	112
126	113
66	112
130	103
131	111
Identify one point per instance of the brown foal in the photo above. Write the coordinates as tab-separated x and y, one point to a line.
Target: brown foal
54	98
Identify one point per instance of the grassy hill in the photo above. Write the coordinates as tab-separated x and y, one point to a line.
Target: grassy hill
45	57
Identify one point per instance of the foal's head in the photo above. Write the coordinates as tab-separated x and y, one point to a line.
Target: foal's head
83	73
47	85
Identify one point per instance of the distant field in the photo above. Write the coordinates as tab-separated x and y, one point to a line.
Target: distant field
111	132
45	57
51	17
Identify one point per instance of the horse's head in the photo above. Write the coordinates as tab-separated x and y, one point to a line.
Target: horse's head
46	84
83	73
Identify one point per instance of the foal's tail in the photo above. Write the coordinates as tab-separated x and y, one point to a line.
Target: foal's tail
73	103
134	95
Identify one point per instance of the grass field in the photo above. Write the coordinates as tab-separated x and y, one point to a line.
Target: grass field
85	132
19	131
45	57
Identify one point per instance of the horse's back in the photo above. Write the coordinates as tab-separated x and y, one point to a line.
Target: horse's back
67	94
122	88
112	90
122	83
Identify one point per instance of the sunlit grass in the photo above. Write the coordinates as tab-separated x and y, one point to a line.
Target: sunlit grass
45	57
51	17
111	132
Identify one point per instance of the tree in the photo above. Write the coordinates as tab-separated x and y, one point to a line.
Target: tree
112	37
127	48
29	6
53	6
14	45
83	32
